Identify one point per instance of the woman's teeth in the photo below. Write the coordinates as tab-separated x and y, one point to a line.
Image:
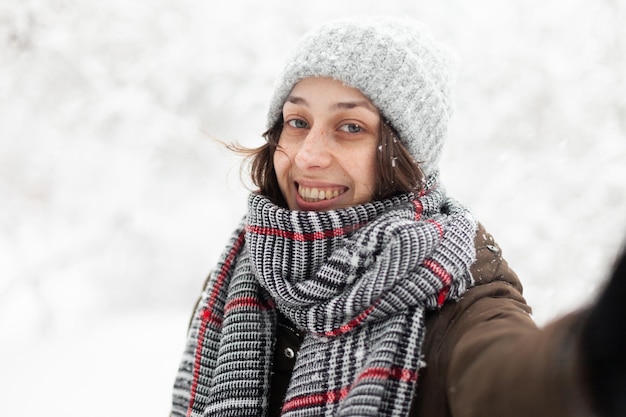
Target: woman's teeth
317	194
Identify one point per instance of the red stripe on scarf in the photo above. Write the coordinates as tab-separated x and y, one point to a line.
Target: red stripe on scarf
438	226
208	317
247	302
302	237
400	374
351	324
419	209
316	399
443	275
443	294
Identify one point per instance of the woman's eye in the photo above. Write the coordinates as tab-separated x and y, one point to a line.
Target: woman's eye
298	123
351	128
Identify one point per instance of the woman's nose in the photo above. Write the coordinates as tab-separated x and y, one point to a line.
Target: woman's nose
314	151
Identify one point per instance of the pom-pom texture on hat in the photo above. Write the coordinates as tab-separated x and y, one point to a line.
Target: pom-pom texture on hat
393	62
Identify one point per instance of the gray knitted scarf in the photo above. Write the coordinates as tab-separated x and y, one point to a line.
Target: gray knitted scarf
358	281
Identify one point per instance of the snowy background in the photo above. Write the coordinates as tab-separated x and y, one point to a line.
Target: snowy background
115	201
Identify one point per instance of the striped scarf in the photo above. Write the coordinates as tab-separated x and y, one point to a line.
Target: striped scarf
358	281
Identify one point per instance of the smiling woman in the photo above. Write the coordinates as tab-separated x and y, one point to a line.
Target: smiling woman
394	170
326	151
354	275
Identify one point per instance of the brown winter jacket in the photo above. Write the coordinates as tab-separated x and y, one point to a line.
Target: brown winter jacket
484	355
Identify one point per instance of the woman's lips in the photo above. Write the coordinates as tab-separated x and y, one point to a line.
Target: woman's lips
318	198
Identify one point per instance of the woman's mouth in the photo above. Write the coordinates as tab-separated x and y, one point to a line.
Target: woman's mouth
316	194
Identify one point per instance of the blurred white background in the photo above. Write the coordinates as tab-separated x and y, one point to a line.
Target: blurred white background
115	202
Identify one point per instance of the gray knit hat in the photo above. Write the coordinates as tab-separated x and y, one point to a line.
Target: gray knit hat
395	63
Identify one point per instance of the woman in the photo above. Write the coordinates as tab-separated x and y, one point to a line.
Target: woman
355	285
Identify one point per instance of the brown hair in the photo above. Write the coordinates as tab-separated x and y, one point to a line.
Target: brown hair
398	172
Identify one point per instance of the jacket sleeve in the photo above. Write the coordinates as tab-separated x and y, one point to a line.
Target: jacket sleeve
486	357
503	366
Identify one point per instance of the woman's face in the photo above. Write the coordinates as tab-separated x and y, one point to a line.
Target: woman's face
326	153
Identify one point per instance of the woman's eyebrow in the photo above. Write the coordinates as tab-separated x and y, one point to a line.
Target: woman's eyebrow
342	105
352	104
297	100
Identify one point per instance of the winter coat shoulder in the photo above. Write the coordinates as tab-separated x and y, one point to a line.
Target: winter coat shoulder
485	356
